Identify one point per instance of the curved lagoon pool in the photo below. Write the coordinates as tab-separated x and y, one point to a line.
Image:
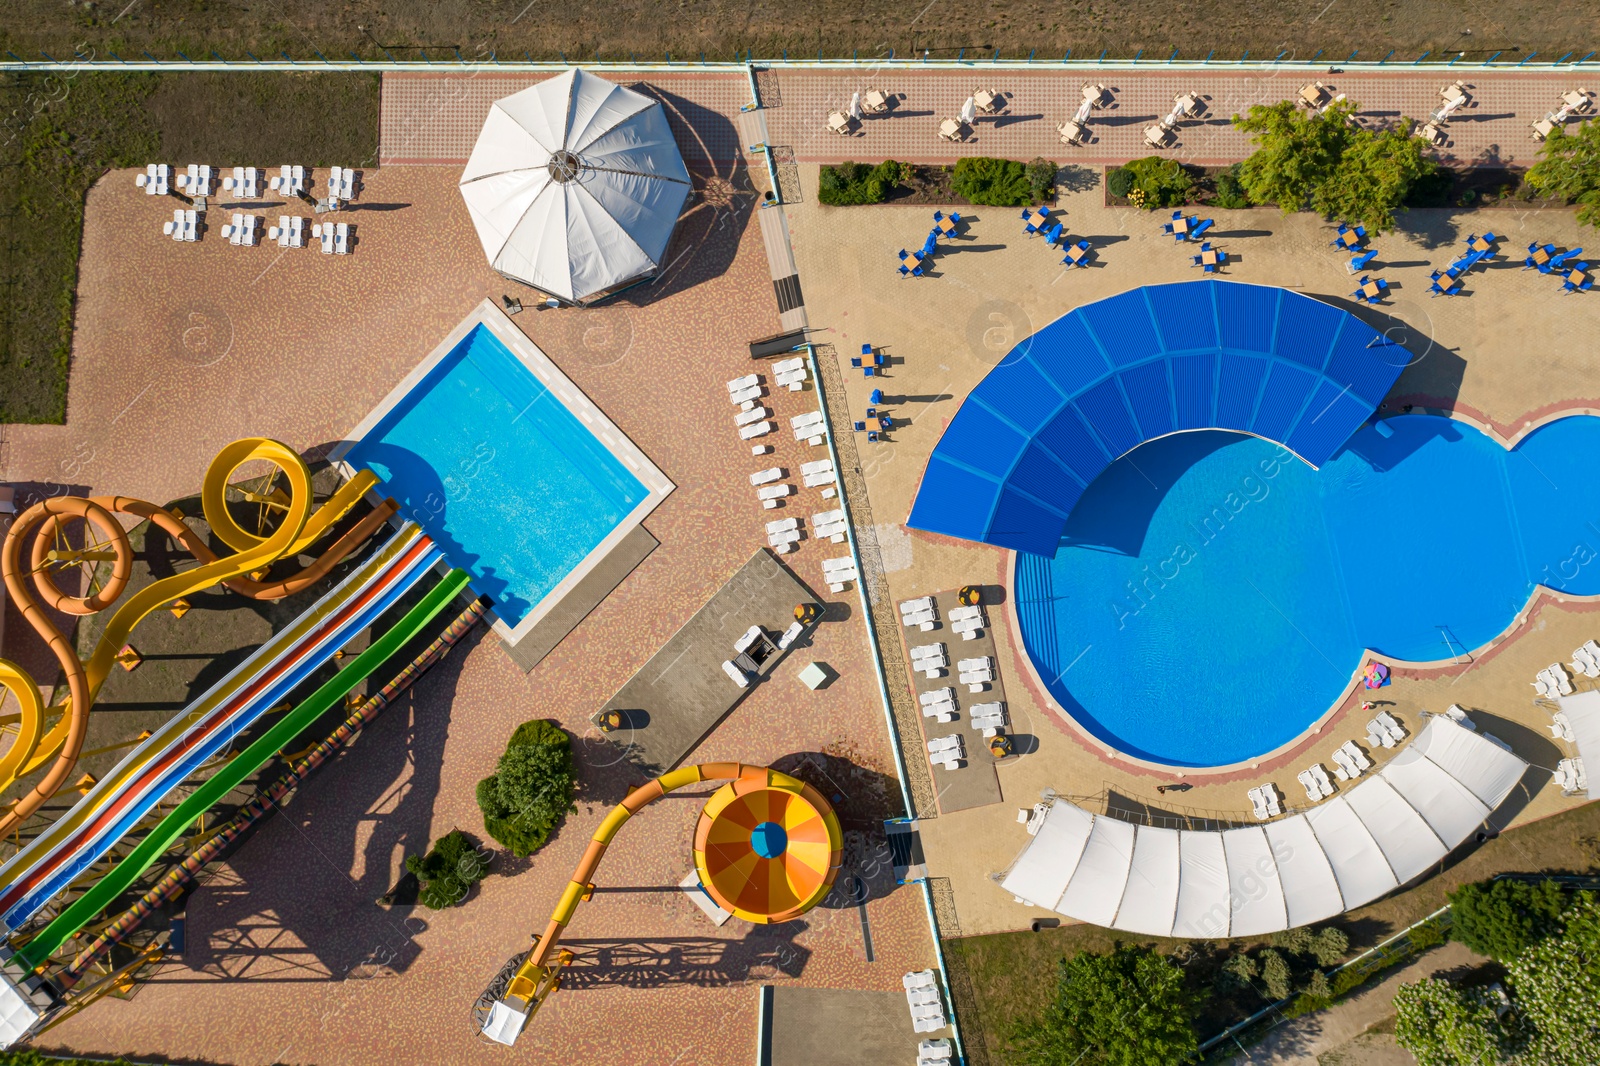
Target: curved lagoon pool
1212	594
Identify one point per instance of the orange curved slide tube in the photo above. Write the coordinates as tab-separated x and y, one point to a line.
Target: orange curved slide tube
301	527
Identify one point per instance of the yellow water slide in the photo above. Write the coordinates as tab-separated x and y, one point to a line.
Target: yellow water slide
43	528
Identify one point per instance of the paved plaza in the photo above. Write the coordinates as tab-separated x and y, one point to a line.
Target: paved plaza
182	347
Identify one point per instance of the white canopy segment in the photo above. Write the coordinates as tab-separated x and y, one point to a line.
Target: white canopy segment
1583	712
1346	852
575	186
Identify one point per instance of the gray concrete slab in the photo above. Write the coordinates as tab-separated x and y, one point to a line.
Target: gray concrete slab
680	695
974	783
841	1027
585	596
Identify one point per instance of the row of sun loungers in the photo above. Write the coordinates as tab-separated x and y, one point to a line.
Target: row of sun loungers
808	427
818	473
242	230
939	704
837	572
1560	727
1315	780
947	751
830	524
185	225
1384	731
1264	800
783	535
920	612
933	1052
922	995
1553	681
1570	776
990	718
930	660
968	621
1586	660
1351	761
976	673
790	373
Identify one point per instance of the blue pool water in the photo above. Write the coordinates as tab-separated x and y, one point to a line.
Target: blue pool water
510	484
1212	594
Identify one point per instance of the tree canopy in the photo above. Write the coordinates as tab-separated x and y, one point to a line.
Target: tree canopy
531	789
1501	918
1547	1015
1128	1008
1570	169
448	871
1324	162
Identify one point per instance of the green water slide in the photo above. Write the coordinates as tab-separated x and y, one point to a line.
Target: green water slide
87	906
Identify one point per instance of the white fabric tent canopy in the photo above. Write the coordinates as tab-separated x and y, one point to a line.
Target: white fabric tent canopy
1377	835
1583	712
575	186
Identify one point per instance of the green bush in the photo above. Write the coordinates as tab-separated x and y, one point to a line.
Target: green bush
1430	935
1328	945
531	789
1164	182
993	182
1501	918
857	183
1119	182
1042	179
1125	1008
448	871
1236	973
1275	974
1231	194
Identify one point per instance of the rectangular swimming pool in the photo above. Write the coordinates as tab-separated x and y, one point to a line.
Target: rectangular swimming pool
520	479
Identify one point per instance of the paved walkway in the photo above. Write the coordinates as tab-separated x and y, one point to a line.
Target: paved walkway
1492	131
1303	1041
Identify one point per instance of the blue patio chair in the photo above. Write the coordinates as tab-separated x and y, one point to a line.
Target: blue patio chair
1177	214
904	272
1336	242
866	349
860	427
885	423
1027	213
938	215
955	216
876	397
1205	224
1030	229
872	412
1490	238
855	363
916	271
1194	260
1166	227
1044	212
903	255
872	434
868	371
1361	231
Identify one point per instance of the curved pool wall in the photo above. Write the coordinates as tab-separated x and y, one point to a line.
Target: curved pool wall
1211	596
1111	375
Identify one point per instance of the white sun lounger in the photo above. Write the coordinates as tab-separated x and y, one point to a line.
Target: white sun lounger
745	395
933	1051
758	429
826	477
938	695
962	613
1387	722
923	620
762	477
755	414
919	979
1258	803
943	743
1309	783
774	492
921	603
740	384
783	366
1269	792
944	713
780	525
1560	727
784	539
983	662
927	651
816	467
736	675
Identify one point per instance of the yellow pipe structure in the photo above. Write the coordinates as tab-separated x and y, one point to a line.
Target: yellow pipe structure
45	523
539	974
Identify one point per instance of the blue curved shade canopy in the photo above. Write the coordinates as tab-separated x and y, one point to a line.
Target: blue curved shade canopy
1110	375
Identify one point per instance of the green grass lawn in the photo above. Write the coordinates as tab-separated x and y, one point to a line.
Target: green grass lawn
1014	974
65	132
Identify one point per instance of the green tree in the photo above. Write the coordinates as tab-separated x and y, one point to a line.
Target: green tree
1556	988
1119	182
1041	179
1501	918
448	871
1237	973
531	789
995	182
1328	945
1164	182
1442	1025
1296	151
1570	169
1373	176
1296	941
1275	974
1128	1008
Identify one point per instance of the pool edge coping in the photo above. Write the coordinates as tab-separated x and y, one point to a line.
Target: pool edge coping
545	370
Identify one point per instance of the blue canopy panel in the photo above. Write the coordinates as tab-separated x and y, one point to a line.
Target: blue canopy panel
1110	375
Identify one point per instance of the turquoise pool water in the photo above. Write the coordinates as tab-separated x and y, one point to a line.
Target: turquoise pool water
511	484
1212	594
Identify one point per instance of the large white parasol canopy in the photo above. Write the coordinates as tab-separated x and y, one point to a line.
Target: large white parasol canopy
575	186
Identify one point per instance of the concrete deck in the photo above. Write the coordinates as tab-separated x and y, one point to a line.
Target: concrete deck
680	695
839	1027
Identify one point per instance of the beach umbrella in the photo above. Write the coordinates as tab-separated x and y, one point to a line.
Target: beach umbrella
855	107
969	111
575	185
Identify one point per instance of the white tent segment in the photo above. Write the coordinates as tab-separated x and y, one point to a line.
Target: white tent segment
575	186
1583	712
1346	852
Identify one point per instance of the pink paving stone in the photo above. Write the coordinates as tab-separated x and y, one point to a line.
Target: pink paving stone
183	347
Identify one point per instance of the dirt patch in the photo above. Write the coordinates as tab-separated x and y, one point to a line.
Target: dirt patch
507	29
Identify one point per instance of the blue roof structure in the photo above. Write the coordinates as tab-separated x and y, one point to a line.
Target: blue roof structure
1110	375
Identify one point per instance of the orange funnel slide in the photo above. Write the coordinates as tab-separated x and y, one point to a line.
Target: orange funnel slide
767	853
